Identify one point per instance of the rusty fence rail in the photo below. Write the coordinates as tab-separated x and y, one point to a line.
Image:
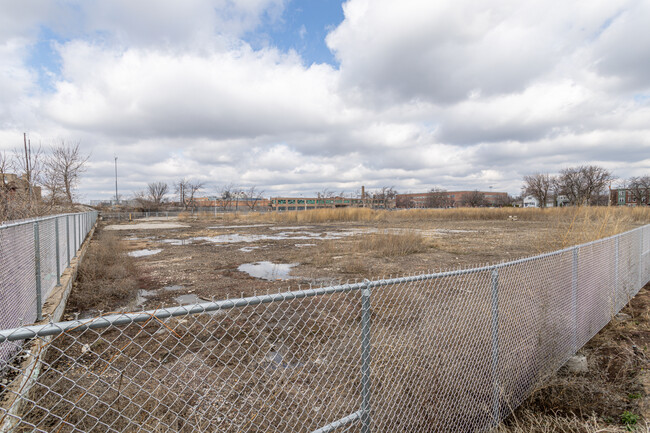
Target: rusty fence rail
449	351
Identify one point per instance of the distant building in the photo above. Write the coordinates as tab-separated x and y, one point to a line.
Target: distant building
562	200
457	198
18	186
237	202
306	203
625	197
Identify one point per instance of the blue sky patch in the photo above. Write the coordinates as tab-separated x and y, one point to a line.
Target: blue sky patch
303	28
45	59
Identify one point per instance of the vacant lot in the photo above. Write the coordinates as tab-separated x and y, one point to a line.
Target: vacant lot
298	361
213	258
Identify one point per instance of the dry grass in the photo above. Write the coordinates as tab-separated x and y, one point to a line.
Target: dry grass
595	401
579	225
532	422
107	277
392	244
595	214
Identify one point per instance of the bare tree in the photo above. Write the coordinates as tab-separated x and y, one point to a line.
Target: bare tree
253	196
143	201
5	167
181	188
157	192
326	193
474	199
28	162
67	163
404	202
384	195
192	188
438	198
227	196
539	186
640	189
503	200
50	180
583	185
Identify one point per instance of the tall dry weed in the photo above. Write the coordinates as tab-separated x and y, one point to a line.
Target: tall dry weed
392	244
594	214
107	277
578	225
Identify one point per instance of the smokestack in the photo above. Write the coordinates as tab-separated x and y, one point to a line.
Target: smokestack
363	196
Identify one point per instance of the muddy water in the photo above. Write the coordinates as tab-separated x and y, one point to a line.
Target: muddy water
268	270
144	253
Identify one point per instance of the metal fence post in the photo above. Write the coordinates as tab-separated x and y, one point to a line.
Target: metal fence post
640	285
574	300
74	230
365	358
495	346
615	289
58	253
37	272
67	236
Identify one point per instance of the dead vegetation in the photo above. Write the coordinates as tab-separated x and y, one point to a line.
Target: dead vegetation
233	354
107	277
609	396
392	244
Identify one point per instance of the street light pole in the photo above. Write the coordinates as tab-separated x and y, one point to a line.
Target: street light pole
117	200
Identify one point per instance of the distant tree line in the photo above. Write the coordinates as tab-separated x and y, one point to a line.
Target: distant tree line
583	185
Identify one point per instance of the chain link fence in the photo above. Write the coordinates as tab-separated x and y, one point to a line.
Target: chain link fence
451	351
33	255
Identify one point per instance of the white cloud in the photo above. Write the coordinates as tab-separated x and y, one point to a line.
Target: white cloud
452	93
444	51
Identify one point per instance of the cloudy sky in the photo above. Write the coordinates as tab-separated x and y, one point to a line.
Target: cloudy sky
295	96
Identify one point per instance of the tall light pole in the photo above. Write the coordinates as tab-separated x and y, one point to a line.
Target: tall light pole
117	200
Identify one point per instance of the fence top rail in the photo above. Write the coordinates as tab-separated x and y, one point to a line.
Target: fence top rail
38	219
26	332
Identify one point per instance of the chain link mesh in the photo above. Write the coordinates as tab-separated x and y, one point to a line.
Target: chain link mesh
454	351
19	273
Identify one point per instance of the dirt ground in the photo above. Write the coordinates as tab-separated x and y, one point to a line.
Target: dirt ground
202	258
187	261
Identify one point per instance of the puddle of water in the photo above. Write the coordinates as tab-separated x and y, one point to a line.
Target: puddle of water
172	288
305	245
146	226
231	239
274	360
248	249
188	299
144	253
176	241
290	235
292	228
240	227
268	270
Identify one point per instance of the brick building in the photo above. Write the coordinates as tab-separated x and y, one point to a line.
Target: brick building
306	203
456	198
626	197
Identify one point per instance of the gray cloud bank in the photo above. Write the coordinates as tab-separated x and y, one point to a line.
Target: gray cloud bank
441	93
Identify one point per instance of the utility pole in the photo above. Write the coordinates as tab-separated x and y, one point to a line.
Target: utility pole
28	169
117	200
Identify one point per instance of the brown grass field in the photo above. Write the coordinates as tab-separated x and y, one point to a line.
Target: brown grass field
201	258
